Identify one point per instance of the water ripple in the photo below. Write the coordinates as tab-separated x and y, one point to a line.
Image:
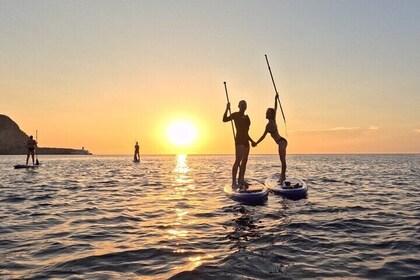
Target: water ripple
103	217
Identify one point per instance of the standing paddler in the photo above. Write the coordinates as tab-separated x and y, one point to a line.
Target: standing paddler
30	149
137	152
272	128
242	139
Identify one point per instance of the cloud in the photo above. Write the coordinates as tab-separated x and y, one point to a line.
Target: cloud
339	128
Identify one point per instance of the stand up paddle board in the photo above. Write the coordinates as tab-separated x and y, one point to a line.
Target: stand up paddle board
21	166
253	194
293	187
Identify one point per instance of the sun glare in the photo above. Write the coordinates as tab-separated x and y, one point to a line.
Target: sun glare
182	133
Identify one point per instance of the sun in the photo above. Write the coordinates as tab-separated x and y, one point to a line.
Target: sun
182	133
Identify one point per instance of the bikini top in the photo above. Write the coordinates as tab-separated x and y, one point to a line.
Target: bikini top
272	129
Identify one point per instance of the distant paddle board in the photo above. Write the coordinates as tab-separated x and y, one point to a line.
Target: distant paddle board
22	166
136	161
293	187
253	194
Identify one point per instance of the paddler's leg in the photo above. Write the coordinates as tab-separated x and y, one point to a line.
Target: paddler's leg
239	150
242	169
282	154
27	157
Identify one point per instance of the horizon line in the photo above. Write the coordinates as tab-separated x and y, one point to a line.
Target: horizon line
226	154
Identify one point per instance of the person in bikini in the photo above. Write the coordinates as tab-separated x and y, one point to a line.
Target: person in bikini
242	123
271	128
30	149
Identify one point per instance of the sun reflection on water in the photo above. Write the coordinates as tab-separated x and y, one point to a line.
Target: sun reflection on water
181	164
181	213
182	179
182	183
194	262
179	232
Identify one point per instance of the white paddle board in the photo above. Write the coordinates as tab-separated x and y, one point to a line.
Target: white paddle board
293	187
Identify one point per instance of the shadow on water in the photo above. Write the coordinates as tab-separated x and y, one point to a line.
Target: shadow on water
252	202
244	227
294	197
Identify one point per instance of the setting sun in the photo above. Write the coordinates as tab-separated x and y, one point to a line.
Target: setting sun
182	133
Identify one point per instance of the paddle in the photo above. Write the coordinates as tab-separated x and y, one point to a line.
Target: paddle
36	150
277	94
231	121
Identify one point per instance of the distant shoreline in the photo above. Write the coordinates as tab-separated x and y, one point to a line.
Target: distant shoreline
13	141
53	151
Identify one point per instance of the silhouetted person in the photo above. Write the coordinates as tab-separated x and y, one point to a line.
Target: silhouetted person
242	123
137	152
271	128
30	149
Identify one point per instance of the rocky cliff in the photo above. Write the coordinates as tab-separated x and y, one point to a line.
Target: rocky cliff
13	141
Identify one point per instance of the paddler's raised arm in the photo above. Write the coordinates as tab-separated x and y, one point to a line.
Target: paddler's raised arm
275	103
227	118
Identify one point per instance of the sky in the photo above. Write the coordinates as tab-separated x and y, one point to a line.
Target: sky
103	74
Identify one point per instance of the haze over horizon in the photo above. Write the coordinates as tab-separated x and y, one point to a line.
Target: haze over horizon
103	74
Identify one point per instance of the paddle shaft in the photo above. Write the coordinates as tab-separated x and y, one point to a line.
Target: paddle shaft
36	150
230	113
277	94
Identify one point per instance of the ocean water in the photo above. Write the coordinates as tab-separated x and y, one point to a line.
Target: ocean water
105	217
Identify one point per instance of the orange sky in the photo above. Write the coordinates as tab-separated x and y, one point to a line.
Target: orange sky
103	74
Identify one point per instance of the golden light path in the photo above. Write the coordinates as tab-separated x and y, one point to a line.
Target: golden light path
184	183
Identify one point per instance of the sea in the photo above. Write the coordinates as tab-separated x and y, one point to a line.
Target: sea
105	217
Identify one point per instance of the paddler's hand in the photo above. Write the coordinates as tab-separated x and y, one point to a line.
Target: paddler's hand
228	106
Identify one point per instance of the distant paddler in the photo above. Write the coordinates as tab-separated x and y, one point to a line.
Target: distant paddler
137	152
31	144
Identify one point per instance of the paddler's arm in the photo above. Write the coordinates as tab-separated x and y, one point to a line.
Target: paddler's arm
261	138
275	103
252	141
225	116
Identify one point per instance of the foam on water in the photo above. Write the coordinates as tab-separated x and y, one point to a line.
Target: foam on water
105	217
